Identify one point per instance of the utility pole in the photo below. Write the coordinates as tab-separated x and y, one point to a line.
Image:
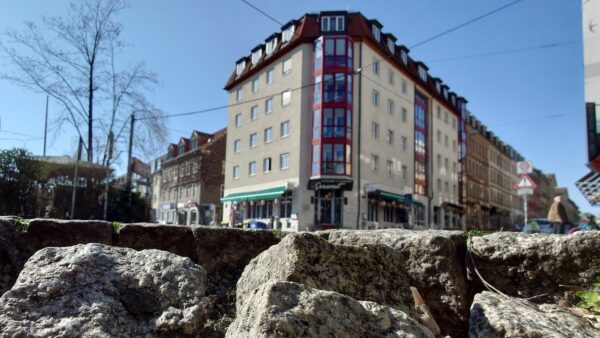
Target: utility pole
46	125
129	163
111	137
74	194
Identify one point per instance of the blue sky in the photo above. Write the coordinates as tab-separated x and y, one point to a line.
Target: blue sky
533	100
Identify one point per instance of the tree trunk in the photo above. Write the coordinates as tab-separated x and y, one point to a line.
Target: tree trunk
90	114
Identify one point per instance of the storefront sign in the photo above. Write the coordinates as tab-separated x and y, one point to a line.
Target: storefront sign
321	184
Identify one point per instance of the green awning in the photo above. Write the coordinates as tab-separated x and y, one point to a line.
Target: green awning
415	202
265	194
388	196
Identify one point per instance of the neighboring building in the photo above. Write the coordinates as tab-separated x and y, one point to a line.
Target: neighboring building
539	203
156	177
589	184
478	190
192	180
331	124
492	202
140	179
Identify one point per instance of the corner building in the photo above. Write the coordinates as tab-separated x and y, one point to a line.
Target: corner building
332	125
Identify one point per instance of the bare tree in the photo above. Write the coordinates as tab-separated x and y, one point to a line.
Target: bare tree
72	59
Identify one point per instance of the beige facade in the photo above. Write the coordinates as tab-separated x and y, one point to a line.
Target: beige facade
377	187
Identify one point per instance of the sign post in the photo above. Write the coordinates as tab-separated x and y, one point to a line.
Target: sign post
525	185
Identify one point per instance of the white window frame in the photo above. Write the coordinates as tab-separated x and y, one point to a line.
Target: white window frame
390	107
286	97
270	76
256	55
422	73
252	165
237	146
391	79
239	68
255	85
404	57
285	156
271	45
254	112
287	34
390	168
286	66
375	66
391	46
253	140
287	129
375	130
239	94
270	163
238	119
375	98
376	32
332	23
390	136
236	172
269	105
268	131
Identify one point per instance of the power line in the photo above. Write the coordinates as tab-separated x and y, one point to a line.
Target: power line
420	15
15	133
262	12
508	51
450	30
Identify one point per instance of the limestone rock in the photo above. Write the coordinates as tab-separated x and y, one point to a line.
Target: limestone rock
177	239
370	273
45	232
433	261
528	265
95	290
285	309
13	254
495	316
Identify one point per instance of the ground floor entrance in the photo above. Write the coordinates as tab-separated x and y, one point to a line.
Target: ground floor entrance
329	205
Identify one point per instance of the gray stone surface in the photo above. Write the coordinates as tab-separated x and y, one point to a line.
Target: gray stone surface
46	232
369	272
433	261
95	290
177	239
13	253
495	316
285	309
528	265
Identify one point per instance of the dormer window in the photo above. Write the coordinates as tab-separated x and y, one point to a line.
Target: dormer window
239	68
391	46
445	92
271	44
404	57
256	56
376	32
194	143
181	148
438	86
332	23
287	34
422	73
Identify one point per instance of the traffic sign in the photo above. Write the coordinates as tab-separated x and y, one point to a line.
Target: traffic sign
525	182
524	191
524	167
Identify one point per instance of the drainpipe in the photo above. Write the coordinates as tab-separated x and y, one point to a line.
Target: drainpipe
358	183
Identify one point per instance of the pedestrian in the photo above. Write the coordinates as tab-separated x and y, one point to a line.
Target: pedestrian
557	216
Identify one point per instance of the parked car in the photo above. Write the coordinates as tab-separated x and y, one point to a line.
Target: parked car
538	225
257	225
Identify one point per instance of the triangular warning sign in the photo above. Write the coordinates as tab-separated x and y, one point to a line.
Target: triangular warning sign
525	182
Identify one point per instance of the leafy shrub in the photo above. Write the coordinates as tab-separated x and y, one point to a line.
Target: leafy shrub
590	299
116	226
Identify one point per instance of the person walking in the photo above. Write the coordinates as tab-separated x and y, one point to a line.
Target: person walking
557	216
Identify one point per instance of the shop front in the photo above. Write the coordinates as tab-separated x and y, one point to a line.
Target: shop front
272	206
329	201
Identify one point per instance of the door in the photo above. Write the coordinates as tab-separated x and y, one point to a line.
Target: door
328	209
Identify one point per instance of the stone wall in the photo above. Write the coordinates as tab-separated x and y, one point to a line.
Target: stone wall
258	286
